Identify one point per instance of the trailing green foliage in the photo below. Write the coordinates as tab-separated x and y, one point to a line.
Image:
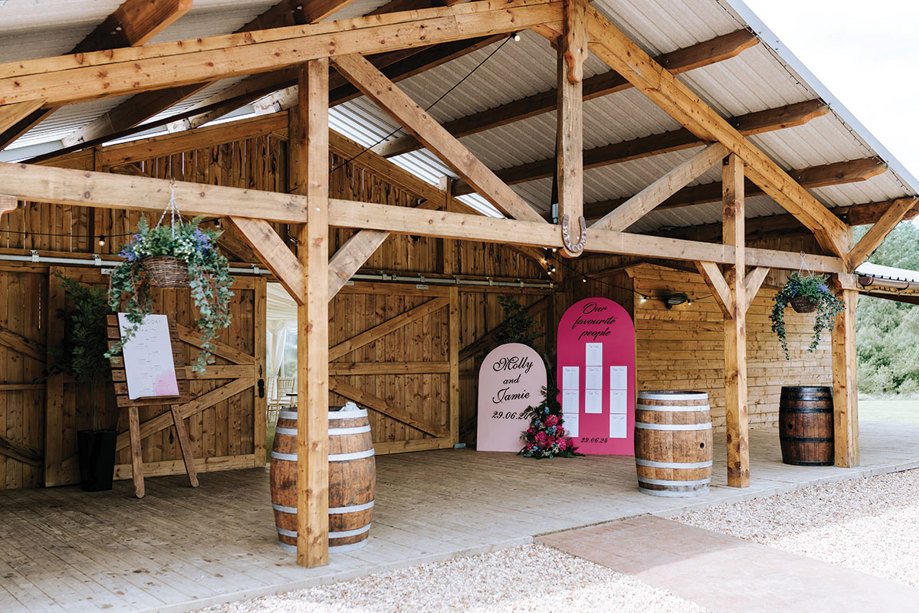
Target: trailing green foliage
887	332
82	352
813	288
208	273
518	323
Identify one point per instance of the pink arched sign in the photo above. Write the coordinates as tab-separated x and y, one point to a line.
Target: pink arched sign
511	379
596	376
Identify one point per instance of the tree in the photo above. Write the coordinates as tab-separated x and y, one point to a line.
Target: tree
887	332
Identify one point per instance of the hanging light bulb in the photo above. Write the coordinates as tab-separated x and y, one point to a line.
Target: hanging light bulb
516	37
102	240
584	280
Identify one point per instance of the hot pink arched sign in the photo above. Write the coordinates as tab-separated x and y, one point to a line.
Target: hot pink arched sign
596	376
511	379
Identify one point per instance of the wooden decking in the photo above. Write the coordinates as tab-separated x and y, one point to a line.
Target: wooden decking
66	550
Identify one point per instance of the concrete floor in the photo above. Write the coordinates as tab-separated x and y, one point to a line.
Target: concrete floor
66	550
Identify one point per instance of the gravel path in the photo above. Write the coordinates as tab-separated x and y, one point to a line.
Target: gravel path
867	524
531	578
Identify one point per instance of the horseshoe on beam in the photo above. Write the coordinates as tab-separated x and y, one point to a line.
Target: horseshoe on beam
575	248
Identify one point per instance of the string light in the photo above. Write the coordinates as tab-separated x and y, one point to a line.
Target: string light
102	240
516	37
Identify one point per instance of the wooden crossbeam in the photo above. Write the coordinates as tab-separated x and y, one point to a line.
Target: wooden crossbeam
68	79
627	58
876	234
139	108
444	224
105	190
453	153
371	401
784	224
647	199
273	251
681	60
837	173
12	114
396	65
758	122
133	23
387	327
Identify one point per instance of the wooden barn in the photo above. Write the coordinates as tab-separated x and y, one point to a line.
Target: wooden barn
398	167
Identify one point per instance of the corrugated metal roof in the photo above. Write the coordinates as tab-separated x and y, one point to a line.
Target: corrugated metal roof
765	76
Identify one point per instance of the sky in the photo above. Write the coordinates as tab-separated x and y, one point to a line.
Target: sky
866	53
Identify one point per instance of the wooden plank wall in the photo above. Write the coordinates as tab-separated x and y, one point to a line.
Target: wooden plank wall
22	395
683	348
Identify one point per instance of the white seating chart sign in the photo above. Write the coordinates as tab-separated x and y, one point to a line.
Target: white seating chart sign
596	376
148	363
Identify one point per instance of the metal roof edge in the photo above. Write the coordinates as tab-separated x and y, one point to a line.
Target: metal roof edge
769	38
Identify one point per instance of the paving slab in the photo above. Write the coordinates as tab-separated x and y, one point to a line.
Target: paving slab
727	574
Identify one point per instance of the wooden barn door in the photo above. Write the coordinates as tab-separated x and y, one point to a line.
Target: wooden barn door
393	349
23	312
225	417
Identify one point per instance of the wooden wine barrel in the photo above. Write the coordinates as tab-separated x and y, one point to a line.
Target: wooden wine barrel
352	478
673	443
806	425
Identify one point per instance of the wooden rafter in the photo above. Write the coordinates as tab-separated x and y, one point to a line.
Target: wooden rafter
753	283
453	153
274	252
627	58
649	198
784	224
758	122
876	234
716	282
681	60
825	175
75	78
133	23
143	106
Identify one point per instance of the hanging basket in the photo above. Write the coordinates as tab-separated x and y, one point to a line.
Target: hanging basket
801	304
166	271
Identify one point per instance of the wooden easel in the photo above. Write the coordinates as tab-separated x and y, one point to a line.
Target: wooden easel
119	379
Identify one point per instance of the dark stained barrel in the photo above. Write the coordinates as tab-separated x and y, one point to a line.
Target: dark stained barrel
673	443
806	425
352	478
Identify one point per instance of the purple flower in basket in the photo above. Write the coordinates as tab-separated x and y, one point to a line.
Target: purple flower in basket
824	288
202	242
128	253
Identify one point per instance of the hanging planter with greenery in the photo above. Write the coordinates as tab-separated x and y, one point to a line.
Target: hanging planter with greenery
805	293
207	271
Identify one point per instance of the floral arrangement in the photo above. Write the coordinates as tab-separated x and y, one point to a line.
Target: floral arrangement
208	273
805	293
546	435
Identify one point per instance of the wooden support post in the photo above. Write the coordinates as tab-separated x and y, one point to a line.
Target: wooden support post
309	176
735	334
845	392
569	135
454	365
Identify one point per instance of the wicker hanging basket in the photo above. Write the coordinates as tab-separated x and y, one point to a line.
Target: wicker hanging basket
802	304
166	271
